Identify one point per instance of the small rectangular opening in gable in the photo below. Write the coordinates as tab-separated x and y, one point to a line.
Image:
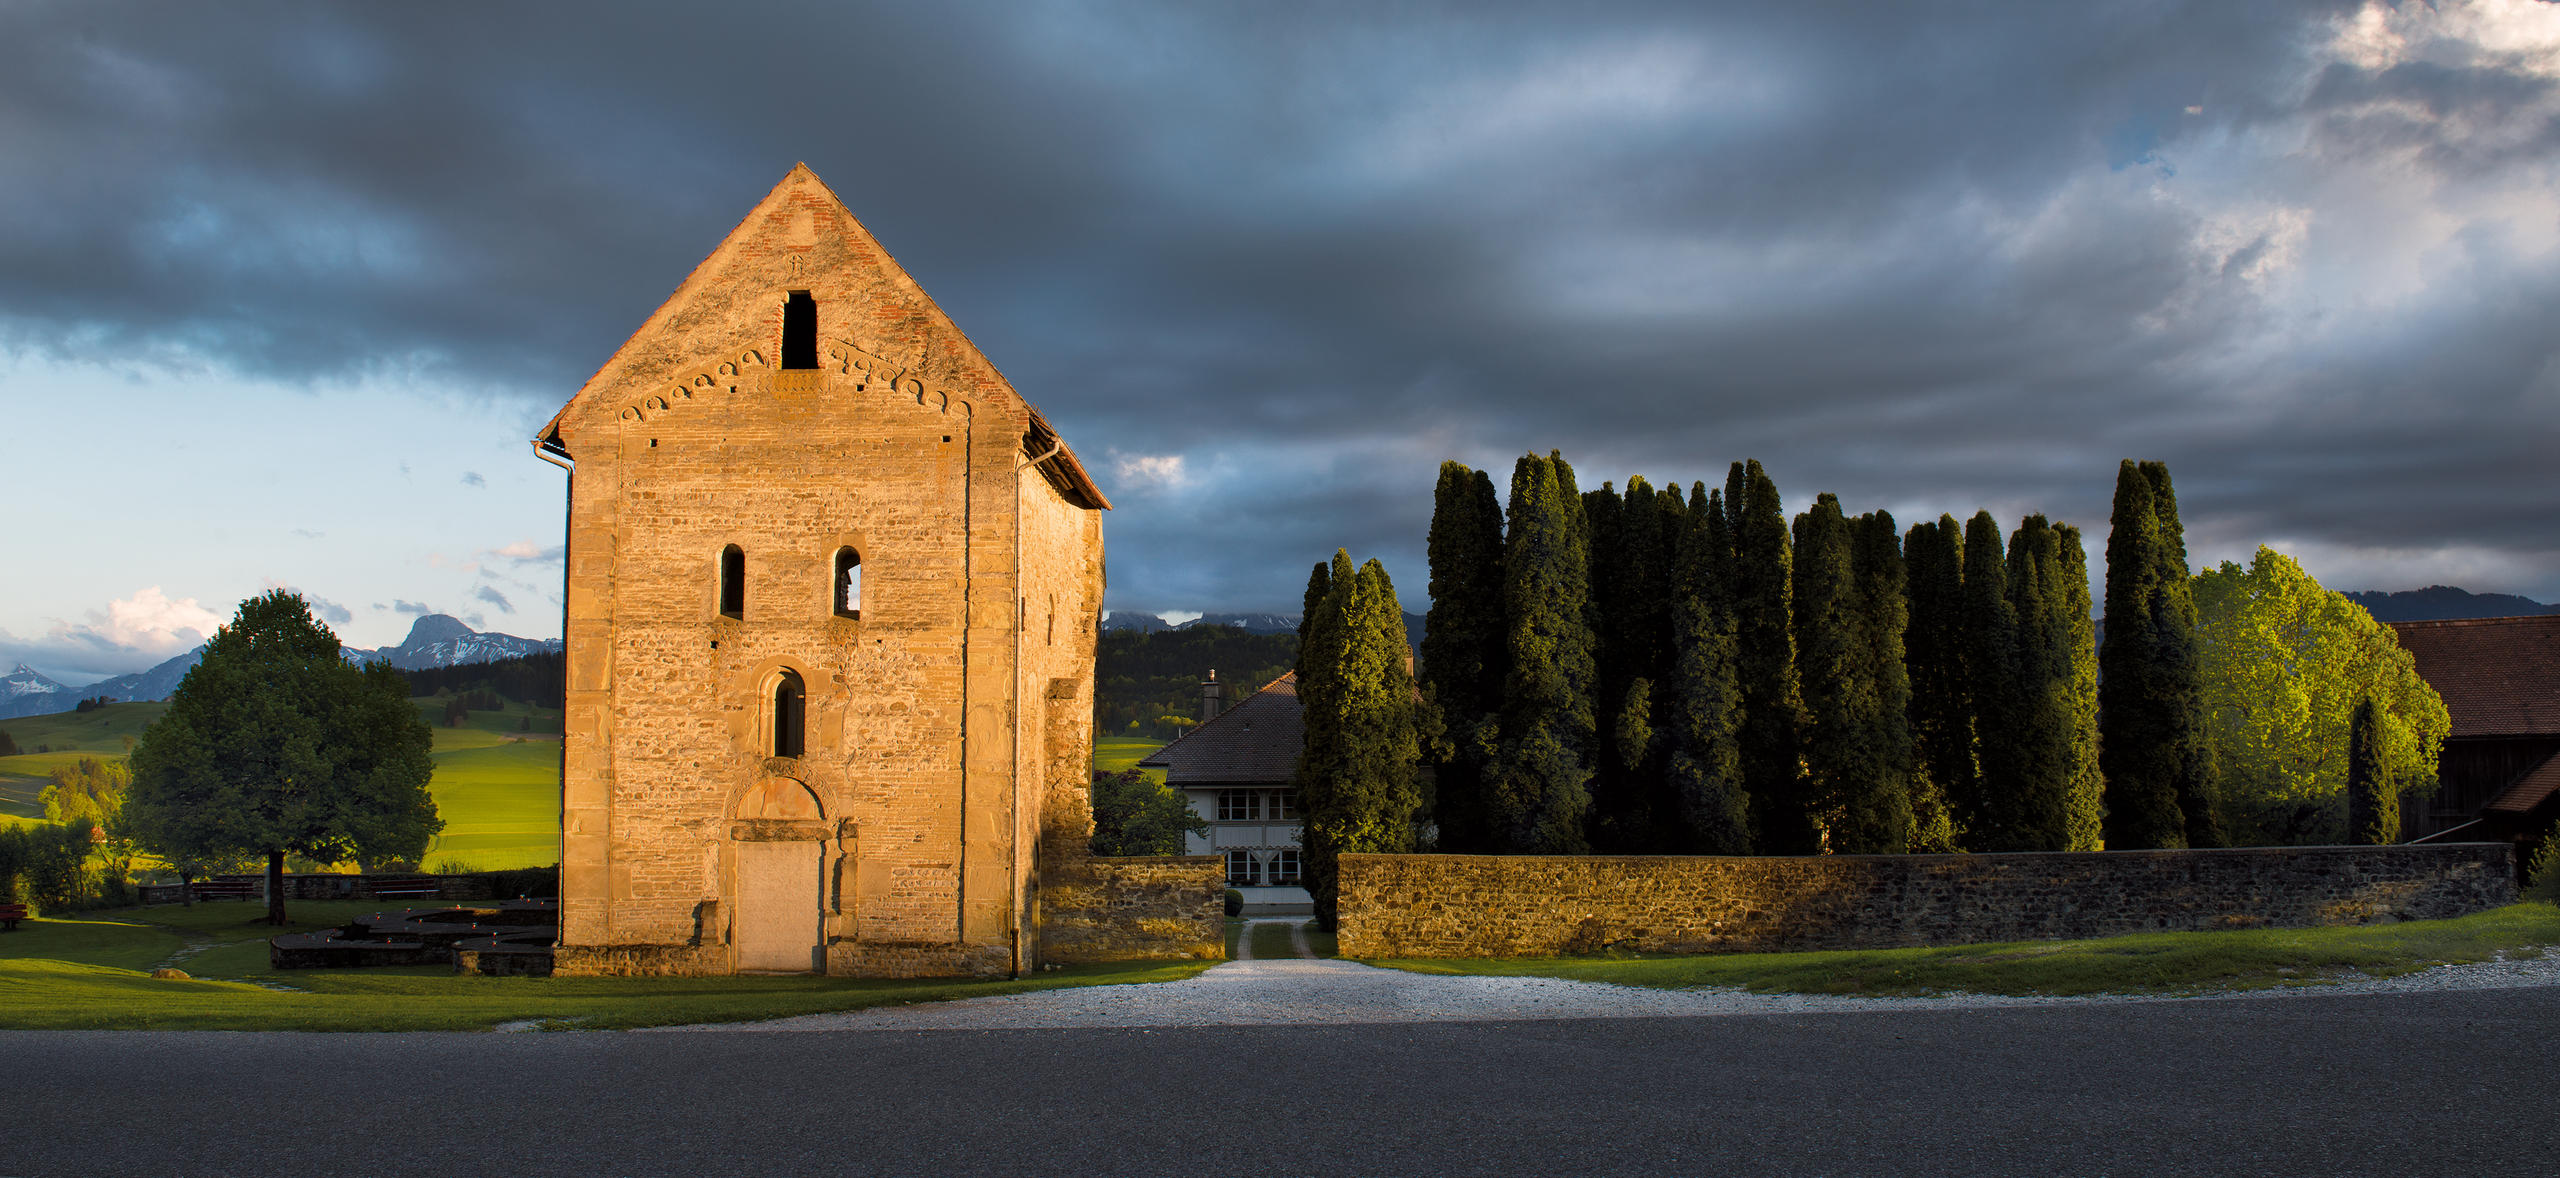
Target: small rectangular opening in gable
800	332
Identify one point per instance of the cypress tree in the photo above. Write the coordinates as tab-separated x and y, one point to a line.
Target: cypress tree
1941	727
2147	735
1541	775
2181	672
1358	786
2033	810
1462	648
1614	803
2373	806
1765	664
1879	817
1990	688
1655	549
1319	583
1848	618
1705	704
2083	787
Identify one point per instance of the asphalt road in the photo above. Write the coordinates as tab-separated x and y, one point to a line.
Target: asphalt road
2435	1084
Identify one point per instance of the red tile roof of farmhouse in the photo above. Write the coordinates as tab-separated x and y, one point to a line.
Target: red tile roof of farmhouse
2498	676
2530	790
1255	742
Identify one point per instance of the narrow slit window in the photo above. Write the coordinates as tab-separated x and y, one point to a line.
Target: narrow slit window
848	591
790	712
733	582
800	331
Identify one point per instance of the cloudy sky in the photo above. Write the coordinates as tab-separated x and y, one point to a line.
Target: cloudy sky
285	288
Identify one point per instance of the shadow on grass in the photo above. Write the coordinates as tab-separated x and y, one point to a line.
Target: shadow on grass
91	973
2150	963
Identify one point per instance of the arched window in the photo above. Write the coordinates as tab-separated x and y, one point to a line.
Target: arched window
733	582
848	591
790	715
800	331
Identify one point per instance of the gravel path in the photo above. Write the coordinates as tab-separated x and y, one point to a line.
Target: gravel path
1282	993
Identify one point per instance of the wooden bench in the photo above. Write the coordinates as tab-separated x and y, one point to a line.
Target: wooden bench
224	889
10	915
404	889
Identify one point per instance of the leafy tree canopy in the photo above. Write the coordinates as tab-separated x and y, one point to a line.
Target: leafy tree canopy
88	792
2284	663
274	744
1134	814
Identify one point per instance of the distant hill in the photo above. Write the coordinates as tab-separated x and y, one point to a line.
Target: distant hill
2444	602
434	640
1250	623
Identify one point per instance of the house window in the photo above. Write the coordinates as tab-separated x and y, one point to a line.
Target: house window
848	590
733	582
1239	805
1284	866
790	714
1242	871
1284	805
800	331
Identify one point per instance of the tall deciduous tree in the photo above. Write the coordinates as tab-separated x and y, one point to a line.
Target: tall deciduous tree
1705	705
1359	787
1463	648
1764	641
2149	714
1933	653
2284	664
1542	769
275	744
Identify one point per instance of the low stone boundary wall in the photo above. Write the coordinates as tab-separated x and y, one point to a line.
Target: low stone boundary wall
1138	908
1540	905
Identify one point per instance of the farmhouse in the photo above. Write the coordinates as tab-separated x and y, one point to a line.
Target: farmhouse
2499	774
832	590
1236	771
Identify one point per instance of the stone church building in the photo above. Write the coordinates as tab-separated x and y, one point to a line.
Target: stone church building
832	593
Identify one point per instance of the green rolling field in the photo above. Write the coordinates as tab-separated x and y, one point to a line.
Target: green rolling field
499	795
1111	754
497	788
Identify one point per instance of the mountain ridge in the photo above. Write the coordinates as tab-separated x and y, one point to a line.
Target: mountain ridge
435	640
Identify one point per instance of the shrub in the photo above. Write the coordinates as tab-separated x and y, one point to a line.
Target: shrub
2542	870
1235	902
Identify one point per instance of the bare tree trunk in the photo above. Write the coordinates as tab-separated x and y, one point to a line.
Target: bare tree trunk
275	887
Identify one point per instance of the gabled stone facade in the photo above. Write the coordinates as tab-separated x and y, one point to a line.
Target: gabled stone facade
832	594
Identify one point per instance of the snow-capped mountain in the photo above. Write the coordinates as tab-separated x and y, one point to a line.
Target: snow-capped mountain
25	691
437	640
434	640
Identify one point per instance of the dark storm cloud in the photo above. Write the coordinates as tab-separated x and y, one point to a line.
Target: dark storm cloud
1931	257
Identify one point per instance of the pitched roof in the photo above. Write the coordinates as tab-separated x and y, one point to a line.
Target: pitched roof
1255	742
2498	676
1064	469
2533	789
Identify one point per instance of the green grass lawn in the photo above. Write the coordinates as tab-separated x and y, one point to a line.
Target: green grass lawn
91	971
2149	963
1271	941
1322	943
1235	932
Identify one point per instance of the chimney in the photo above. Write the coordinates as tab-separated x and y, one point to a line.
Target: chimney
1213	697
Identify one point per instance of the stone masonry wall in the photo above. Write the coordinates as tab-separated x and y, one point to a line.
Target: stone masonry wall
1530	906
1134	909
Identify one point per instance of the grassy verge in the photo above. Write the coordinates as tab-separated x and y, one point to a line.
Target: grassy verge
2151	963
92	972
1322	942
1235	932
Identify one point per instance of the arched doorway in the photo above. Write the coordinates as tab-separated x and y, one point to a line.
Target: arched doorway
781	879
